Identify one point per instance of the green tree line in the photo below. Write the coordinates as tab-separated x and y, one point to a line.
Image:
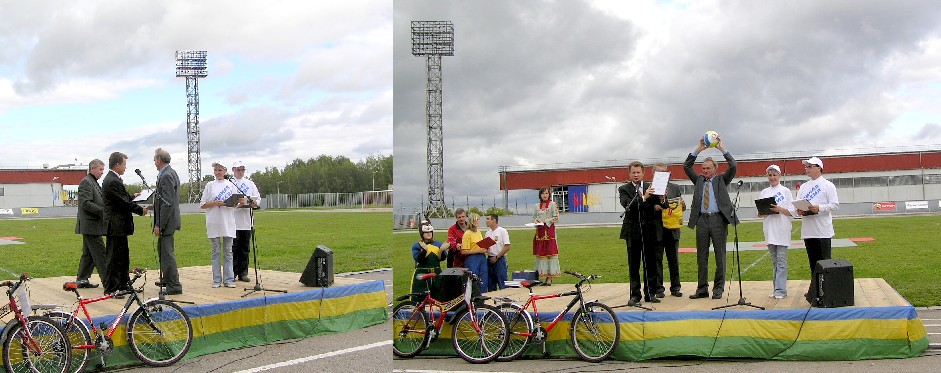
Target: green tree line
326	174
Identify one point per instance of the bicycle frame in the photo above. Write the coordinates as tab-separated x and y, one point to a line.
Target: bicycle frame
579	299
431	304
18	315
82	305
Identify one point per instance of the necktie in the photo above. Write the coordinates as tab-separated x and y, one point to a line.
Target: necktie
705	196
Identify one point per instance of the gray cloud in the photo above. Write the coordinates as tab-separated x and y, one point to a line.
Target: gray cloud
549	82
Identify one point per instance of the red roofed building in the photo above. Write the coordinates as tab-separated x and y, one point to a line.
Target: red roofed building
39	188
909	178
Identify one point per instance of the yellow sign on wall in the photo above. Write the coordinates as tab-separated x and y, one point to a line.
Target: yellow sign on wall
29	211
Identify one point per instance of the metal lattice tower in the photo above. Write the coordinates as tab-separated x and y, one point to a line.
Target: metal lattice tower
192	66
434	39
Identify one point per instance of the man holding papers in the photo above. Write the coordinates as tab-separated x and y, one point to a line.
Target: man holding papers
817	226
670	219
640	231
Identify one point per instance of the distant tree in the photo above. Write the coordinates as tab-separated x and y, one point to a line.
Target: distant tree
326	174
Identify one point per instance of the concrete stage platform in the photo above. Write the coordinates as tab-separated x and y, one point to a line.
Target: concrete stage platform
223	320
880	325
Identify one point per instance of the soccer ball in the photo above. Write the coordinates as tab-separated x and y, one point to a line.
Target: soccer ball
711	139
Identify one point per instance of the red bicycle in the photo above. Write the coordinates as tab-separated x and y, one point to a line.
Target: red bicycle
478	332
41	346
595	328
159	331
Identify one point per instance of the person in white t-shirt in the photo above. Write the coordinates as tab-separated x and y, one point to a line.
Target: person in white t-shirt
777	228
220	225
241	246
817	221
497	253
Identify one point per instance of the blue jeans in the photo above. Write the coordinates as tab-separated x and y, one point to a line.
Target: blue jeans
498	274
478	264
778	255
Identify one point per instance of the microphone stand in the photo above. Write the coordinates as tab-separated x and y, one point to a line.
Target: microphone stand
251	216
738	261
642	262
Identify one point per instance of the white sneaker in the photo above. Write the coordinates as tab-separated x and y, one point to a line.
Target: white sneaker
216	285
230	285
778	297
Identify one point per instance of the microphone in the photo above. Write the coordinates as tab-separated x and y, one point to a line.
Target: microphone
227	177
740	182
137	171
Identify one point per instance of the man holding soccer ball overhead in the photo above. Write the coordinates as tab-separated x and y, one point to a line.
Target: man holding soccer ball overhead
710	213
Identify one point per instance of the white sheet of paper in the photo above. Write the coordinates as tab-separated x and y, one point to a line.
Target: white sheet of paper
660	180
144	195
533	225
802	204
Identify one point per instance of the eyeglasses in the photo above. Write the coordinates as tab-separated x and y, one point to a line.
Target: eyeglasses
810	166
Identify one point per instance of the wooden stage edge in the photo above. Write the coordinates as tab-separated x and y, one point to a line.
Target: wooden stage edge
196	282
868	292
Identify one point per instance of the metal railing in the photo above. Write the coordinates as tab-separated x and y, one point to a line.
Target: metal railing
379	198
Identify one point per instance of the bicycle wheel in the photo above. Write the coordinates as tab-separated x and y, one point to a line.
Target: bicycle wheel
159	333
595	332
484	343
78	335
519	325
409	329
53	353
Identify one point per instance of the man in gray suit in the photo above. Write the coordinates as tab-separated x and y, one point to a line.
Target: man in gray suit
167	221
92	224
710	214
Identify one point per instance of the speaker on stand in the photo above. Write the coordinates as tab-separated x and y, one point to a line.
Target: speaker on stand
319	271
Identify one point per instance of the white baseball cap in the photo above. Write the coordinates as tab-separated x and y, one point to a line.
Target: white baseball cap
218	163
238	164
813	160
773	167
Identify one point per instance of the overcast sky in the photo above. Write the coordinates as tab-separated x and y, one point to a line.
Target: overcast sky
287	80
539	82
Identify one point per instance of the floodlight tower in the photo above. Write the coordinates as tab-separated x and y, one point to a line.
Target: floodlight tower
192	66
433	39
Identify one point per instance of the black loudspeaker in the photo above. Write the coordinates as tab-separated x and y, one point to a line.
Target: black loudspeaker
453	283
319	271
831	284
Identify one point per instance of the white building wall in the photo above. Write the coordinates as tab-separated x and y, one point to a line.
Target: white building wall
31	195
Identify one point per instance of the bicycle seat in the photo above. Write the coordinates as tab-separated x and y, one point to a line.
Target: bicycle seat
530	284
70	286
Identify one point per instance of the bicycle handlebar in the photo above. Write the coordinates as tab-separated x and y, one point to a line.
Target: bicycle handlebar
14	285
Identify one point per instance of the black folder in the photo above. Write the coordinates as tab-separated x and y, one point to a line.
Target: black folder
764	206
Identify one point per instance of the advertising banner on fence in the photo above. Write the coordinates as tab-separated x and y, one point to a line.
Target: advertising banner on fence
883	206
916	205
6	211
29	211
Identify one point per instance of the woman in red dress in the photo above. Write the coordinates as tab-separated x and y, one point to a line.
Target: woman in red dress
545	247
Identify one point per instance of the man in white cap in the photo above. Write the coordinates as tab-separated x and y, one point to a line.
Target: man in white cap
817	225
244	224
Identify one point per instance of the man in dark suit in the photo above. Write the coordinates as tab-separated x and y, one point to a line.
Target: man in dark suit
91	223
640	232
710	214
118	207
670	236
167	221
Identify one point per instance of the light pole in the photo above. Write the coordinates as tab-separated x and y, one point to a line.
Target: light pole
374	180
279	187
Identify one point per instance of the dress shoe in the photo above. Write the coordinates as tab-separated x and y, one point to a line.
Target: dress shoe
652	300
171	292
699	295
244	278
676	293
634	302
716	295
87	285
660	294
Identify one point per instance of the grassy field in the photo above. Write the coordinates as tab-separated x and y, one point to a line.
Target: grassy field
285	241
906	253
